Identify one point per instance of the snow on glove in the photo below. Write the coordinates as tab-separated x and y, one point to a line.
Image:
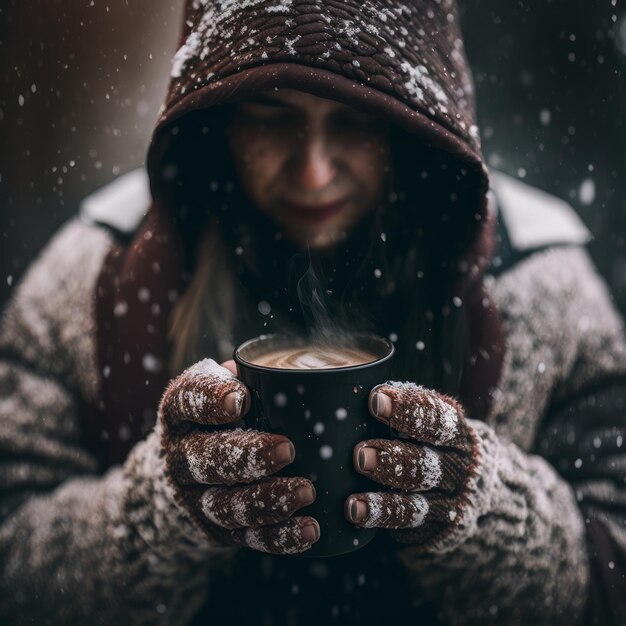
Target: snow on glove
437	472
221	476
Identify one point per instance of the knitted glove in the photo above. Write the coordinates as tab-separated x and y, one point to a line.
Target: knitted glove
220	476
491	534
435	469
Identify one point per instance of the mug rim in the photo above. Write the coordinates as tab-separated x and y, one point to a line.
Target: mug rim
326	370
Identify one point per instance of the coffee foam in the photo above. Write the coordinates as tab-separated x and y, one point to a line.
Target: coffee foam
314	357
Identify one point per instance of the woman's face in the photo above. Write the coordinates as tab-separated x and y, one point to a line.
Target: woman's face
295	153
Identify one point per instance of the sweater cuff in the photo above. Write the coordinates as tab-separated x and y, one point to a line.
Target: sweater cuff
151	509
518	552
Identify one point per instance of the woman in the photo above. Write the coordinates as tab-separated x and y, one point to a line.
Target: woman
503	503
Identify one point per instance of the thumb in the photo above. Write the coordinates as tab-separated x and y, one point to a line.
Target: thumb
231	366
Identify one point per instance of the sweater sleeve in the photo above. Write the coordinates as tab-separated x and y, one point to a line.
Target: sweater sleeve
583	437
76	546
548	542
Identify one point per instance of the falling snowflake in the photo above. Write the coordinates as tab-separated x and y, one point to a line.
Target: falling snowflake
341	414
326	452
280	399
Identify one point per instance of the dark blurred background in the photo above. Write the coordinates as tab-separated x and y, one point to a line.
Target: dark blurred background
82	83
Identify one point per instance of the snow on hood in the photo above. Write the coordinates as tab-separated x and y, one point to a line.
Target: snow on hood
404	61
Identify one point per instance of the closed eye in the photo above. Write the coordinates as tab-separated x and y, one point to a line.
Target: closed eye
270	110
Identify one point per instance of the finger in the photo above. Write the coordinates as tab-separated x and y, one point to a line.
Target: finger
409	466
296	534
422	413
231	366
386	509
205	393
227	457
423	515
260	504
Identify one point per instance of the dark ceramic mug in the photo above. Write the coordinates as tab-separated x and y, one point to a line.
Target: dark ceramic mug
325	413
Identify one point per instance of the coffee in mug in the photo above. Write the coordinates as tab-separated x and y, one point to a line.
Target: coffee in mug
316	394
314	356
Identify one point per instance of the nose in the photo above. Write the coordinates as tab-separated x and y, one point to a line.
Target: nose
313	163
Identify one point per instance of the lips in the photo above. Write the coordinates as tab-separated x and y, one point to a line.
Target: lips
315	212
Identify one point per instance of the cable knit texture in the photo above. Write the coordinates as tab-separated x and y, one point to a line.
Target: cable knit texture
519	511
563	334
382	43
110	549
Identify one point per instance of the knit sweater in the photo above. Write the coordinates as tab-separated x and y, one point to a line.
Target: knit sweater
75	545
82	355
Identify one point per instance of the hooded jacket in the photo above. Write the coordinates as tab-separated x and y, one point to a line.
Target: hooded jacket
90	530
406	65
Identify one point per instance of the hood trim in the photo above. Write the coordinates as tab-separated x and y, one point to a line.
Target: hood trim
322	83
536	218
121	204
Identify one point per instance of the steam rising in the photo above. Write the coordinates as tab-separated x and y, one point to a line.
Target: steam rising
332	311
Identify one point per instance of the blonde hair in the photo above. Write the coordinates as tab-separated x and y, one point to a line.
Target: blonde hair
209	298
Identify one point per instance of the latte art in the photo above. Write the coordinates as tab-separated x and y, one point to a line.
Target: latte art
314	358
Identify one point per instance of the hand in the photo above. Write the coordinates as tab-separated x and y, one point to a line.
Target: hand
431	473
220	477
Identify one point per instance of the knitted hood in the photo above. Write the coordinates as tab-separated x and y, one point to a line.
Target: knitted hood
403	61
